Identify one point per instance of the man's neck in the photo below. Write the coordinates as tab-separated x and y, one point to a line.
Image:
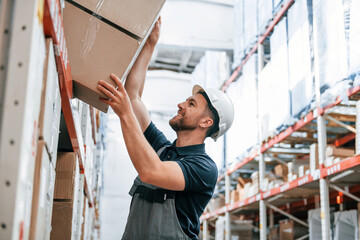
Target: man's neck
185	138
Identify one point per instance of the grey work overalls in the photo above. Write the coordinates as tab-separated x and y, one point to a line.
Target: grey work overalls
152	213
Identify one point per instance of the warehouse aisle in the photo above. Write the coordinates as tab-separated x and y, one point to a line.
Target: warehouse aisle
118	175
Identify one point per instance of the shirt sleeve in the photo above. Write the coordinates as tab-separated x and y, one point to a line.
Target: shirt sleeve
155	137
200	173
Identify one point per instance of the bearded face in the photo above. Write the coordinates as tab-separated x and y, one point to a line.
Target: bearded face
189	114
181	123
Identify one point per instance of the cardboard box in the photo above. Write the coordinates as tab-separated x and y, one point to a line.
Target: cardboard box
289	230
303	169
50	108
286	230
67	176
67	214
281	171
234	196
242	182
110	43
242	194
62	220
273	233
314	158
331	150
42	195
216	203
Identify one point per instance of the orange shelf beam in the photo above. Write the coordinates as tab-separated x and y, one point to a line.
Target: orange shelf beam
53	27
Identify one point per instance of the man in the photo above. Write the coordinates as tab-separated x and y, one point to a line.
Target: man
176	180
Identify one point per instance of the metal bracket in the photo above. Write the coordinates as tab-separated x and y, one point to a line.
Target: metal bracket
303	237
341	124
275	198
287	214
344	192
341	175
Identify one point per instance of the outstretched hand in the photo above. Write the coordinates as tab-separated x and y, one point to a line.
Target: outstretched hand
118	98
154	35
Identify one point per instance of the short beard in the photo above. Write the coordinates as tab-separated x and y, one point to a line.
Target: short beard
180	125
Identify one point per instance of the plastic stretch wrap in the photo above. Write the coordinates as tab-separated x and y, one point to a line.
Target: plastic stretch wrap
346	7
329	42
273	91
243	133
338	90
265	11
212	70
91	30
314	221
278	93
276	3
238	32
301	83
346	225
354	41
250	23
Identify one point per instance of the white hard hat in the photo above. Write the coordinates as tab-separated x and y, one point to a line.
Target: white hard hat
223	106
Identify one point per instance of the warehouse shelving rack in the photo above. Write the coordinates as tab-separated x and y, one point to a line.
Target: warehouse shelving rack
18	145
309	191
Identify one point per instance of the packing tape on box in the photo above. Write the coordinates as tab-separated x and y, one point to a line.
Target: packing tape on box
94	25
92	29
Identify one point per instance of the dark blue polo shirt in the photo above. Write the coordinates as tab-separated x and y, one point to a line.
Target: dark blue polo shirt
200	173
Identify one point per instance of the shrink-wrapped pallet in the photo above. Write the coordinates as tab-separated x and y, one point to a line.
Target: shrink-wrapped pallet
239	36
265	11
329	42
301	82
244	97
250	23
346	225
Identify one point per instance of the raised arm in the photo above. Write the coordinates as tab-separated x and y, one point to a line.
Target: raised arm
135	81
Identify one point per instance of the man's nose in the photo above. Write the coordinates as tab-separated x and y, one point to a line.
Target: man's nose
181	105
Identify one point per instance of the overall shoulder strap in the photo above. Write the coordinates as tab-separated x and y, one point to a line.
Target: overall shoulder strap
138	181
162	149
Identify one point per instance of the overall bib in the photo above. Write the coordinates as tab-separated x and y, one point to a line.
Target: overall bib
152	213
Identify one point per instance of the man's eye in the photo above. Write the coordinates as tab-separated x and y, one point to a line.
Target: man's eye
192	104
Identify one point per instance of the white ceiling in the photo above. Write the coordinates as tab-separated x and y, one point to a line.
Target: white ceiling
191	27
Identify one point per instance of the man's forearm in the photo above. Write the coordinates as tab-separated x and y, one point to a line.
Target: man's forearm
135	81
142	155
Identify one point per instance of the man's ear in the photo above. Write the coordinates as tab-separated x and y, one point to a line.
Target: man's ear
206	122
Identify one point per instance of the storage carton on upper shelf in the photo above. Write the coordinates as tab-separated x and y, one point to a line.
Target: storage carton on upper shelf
331	150
103	39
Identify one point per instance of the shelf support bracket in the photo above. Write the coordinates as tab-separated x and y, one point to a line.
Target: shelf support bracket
333	186
341	124
287	214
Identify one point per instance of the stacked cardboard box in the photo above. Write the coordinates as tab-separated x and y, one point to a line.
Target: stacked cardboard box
240	187
68	195
292	171
303	170
335	155
281	170
43	191
44	174
274	233
234	196
216	203
314	158
289	230
240	230
255	183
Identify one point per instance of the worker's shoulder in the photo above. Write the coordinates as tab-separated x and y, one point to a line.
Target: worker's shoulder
201	159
